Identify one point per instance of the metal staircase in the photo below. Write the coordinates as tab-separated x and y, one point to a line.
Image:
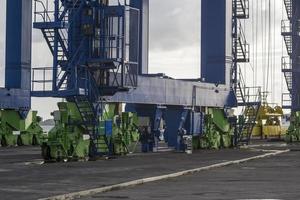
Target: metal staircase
286	62
286	32
288	8
240	45
67	63
286	68
104	47
241	8
246	124
241	90
49	35
90	114
241	49
99	143
249	98
54	24
55	28
286	100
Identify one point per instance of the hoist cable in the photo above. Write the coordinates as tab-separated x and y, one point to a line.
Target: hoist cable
256	44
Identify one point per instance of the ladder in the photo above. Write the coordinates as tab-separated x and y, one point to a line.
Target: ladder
62	52
240	45
247	123
99	143
250	99
286	32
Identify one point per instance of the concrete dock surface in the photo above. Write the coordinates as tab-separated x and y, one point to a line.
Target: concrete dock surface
23	175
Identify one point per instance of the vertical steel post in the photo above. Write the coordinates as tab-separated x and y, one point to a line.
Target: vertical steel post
55	53
295	56
235	36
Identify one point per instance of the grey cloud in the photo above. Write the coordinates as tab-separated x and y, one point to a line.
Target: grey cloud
174	24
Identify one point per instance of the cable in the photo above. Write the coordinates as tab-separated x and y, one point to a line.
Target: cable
256	44
252	38
269	46
274	92
262	43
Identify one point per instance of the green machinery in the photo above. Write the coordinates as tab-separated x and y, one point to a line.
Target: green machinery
217	133
69	139
15	130
293	132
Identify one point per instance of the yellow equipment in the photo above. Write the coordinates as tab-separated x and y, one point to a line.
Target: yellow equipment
268	122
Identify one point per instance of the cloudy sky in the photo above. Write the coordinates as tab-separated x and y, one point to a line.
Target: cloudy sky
175	45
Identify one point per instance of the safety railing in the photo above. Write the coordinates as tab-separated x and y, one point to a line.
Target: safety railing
42	79
253	94
286	63
286	67
286	100
241	85
241	8
288	7
286	27
241	48
43	11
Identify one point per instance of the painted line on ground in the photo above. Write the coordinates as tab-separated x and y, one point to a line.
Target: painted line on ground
84	193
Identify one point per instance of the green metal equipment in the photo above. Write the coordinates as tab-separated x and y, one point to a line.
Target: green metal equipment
218	133
67	140
125	133
16	130
293	132
123	137
70	139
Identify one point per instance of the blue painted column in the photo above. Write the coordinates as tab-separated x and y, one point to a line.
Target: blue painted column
143	6
213	43
295	56
18	44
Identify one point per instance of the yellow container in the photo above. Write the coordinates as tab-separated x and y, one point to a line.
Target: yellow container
256	132
272	131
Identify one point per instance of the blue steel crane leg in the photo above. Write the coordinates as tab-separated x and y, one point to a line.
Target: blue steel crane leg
18	44
295	56
213	41
182	130
143	6
154	112
175	117
16	94
157	122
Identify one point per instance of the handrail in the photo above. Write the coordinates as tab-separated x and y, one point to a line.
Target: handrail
288	7
242	9
241	40
45	12
45	72
286	26
286	63
241	33
65	11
